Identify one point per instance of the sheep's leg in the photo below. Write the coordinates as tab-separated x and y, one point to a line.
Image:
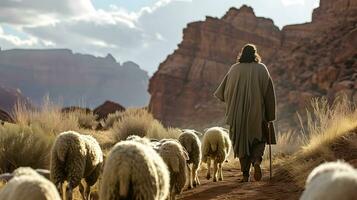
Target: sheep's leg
69	192
87	191
215	170
197	180
172	194
84	191
208	168
195	177
220	172
189	170
81	190
60	188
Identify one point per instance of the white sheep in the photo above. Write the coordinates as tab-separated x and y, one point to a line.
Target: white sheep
6	177
215	146
331	181
175	157
328	167
75	157
27	184
190	141
134	171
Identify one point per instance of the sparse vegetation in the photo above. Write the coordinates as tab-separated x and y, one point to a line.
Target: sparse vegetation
140	122
111	119
330	129
48	117
24	146
84	120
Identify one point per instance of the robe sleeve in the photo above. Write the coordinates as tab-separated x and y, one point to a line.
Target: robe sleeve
219	93
270	102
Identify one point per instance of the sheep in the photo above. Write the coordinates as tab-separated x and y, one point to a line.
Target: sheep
74	157
329	181
6	177
190	141
216	145
134	171
175	157
27	184
328	167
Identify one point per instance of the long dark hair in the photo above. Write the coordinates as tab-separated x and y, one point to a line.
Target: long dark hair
249	54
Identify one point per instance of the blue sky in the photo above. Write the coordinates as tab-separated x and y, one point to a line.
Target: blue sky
143	31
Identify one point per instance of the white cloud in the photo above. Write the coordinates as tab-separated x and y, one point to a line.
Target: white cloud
39	12
146	36
15	41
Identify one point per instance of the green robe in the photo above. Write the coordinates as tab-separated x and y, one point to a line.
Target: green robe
248	92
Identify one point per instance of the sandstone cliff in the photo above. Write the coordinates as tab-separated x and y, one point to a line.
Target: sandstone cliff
305	60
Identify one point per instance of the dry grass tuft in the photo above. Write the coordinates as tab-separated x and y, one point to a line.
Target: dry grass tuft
140	122
173	132
23	146
111	119
48	117
328	126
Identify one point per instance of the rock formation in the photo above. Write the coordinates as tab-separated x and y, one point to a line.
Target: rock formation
107	108
10	97
73	78
305	60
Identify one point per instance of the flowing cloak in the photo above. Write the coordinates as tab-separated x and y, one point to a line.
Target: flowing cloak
248	92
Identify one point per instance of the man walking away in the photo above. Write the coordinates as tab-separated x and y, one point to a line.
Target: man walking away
248	92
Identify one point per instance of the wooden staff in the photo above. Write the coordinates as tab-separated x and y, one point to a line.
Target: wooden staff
270	159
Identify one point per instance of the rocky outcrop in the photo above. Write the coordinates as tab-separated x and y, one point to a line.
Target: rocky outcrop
5	117
107	108
71	109
10	97
73	78
305	60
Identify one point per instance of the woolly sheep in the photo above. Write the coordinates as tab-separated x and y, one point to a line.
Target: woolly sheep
190	141
175	157
330	181
134	171
215	146
75	156
7	176
328	167
27	184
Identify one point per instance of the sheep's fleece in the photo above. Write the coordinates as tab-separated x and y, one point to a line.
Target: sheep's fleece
331	181
75	156
134	171
27	184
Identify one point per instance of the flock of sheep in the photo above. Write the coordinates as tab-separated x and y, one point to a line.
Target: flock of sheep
143	169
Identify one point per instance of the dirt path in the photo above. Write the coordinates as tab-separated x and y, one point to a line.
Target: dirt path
230	188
